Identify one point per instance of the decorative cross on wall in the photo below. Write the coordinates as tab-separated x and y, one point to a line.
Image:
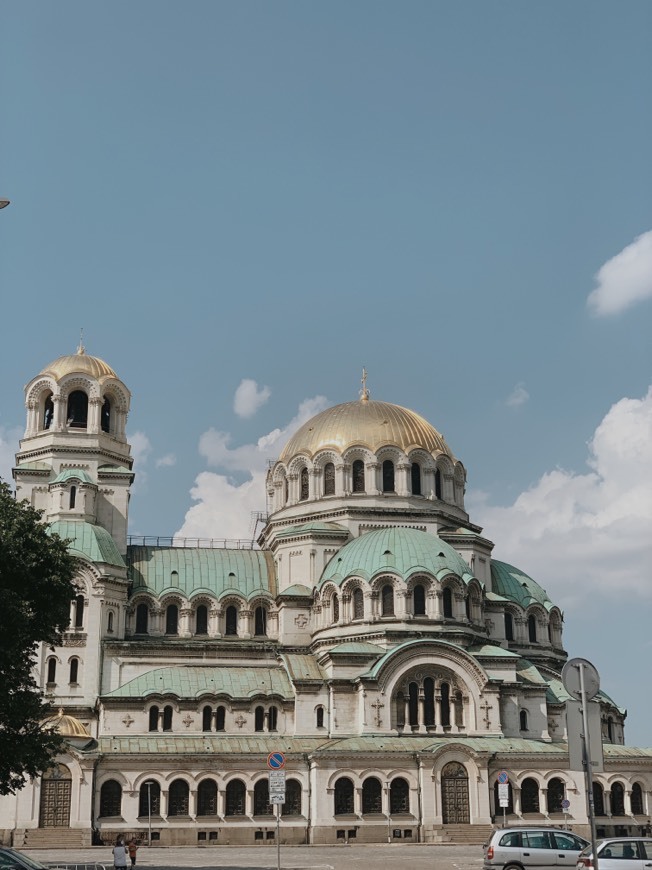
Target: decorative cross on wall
127	720
240	721
188	720
378	705
486	707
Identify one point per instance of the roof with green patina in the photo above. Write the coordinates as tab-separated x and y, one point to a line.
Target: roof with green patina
297	590
360	647
194	682
194	570
426	643
513	584
314	528
557	694
74	473
302	667
488	650
91	542
529	673
401	551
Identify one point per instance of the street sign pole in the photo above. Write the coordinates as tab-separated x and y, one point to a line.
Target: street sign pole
276	791
587	765
278	836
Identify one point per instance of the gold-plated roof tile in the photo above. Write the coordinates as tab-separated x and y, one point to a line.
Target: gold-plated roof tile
81	363
368	423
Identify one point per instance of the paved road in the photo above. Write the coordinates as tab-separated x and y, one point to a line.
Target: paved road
371	857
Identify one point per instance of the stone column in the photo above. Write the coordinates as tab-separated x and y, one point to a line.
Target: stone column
93	424
59	418
185	620
403	482
244	623
371	478
357	801
341	479
293	483
249	803
314	479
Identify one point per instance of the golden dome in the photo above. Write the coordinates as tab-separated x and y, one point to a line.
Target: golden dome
67	726
368	423
78	363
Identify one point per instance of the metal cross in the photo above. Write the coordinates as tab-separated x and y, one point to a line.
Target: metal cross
486	707
378	705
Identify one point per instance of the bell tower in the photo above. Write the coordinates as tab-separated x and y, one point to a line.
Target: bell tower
74	462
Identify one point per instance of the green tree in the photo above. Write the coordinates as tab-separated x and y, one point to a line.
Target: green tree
36	588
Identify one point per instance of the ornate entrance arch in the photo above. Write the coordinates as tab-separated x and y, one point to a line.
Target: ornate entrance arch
455	794
56	788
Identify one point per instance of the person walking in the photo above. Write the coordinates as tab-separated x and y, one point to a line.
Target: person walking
132	848
120	855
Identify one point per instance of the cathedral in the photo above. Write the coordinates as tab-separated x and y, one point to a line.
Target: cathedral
367	644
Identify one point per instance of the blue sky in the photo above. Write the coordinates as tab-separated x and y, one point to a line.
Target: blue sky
455	195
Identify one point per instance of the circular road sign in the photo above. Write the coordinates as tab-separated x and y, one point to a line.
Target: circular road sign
565	804
276	761
570	676
503	777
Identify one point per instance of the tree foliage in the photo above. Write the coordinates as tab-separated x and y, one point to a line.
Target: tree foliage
36	588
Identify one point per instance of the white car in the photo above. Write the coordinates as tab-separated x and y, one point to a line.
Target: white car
618	853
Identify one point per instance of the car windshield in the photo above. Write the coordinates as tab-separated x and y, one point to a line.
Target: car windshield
24	860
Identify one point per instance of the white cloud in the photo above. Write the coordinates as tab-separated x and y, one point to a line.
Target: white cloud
166	461
625	279
518	396
224	508
140	450
249	398
581	535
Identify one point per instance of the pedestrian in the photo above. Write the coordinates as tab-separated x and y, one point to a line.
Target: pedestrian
132	848
120	854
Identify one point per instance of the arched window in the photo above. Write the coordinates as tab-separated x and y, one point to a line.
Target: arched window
260	621
556	794
172	619
610	729
110	617
207	798
358	603
167	717
598	799
292	805
206	719
142	618
74	671
429	701
319	717
343	798
532	629
637	799
329	479
530	796
149	799
52	670
447	602
467	607
272	719
399	796
48	412
509	626
335	601
201	620
106	416
413	703
387	600
357	471
73	497
523	720
231	621
111	798
259	719
419	600
235	798
438	483
415	475
153	718
220	718
445	691
372	795
304	487
262	806
388	476
77	410
617	799
509	809
79	611
178	798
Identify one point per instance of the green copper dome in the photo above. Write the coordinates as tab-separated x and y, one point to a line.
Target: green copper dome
512	583
398	550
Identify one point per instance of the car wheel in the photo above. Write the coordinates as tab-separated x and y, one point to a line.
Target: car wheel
513	867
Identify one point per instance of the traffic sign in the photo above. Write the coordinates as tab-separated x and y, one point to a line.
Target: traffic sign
277	798
503	776
276	778
565	804
503	794
276	761
578	671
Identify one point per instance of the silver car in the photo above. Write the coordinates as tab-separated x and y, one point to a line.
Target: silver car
522	848
619	853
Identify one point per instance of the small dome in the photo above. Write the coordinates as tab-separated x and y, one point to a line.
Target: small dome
78	363
396	550
67	726
368	423
512	583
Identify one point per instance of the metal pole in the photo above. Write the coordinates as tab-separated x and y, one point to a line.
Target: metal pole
389	817
149	814
278	837
587	767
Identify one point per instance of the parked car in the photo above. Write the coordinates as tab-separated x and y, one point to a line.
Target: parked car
618	853
523	848
10	859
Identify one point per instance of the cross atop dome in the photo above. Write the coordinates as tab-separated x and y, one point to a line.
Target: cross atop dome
364	392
